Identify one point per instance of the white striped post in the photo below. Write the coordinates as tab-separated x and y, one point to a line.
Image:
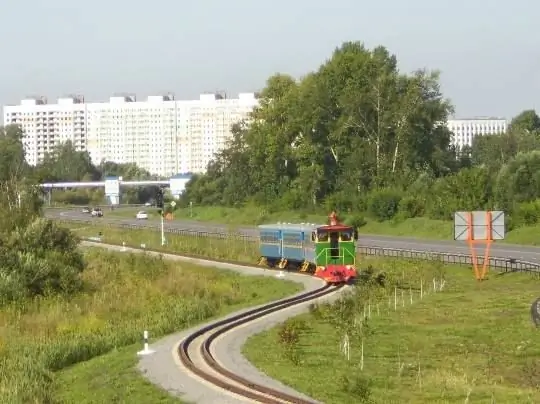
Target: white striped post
146	350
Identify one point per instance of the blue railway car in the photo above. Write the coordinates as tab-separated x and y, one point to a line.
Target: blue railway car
284	245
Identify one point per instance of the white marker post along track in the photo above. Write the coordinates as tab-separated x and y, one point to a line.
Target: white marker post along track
194	353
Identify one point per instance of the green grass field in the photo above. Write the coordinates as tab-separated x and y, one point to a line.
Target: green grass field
470	340
416	227
51	348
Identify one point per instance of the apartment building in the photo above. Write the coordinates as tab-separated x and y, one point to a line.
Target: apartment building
160	134
465	130
45	125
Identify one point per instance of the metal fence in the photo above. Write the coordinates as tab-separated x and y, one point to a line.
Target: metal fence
499	263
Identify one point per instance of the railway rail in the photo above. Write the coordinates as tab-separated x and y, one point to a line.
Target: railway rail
195	352
209	369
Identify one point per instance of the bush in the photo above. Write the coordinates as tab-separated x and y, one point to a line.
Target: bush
356	221
526	214
41	259
411	206
357	386
384	204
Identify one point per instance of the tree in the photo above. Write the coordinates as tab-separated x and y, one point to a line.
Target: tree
67	164
355	124
527	121
12	158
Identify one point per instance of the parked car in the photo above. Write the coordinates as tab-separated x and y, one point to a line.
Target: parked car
97	212
86	209
142	215
148	204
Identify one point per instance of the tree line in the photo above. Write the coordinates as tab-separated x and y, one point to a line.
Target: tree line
66	164
358	135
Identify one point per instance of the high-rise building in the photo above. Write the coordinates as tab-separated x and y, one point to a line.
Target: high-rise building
464	130
161	135
45	125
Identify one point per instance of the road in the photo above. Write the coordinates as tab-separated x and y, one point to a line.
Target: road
499	250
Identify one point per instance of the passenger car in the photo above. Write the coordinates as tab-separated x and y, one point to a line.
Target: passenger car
141	215
97	212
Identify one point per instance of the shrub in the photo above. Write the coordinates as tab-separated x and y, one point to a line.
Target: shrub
411	206
526	214
384	204
40	259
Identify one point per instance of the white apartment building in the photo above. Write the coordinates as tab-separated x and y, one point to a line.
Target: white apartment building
160	134
45	125
464	130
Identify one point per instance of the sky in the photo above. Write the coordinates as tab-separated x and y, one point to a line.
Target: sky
488	54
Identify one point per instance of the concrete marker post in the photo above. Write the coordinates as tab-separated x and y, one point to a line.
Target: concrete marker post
146	350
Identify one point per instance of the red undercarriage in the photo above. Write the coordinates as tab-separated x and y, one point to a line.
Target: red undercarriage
336	273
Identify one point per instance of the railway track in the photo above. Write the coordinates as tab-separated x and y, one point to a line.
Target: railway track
195	352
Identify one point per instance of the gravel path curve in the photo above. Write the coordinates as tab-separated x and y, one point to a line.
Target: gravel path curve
164	369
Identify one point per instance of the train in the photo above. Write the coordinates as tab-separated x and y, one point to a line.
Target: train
325	251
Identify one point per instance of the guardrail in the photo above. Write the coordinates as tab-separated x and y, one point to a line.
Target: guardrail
499	263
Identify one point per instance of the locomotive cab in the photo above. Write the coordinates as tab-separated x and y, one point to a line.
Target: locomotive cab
335	251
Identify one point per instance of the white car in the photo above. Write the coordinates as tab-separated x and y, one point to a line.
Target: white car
97	212
142	215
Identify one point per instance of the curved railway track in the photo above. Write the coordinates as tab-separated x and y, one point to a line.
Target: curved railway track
195	352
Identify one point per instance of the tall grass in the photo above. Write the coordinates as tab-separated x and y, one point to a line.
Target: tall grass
233	247
124	295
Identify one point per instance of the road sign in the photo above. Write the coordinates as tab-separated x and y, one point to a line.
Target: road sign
479	225
173	204
112	190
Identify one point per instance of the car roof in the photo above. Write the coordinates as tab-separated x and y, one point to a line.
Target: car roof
300	227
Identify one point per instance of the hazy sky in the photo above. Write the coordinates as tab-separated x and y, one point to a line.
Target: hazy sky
489	54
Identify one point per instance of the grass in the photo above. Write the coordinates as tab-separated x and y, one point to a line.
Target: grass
420	227
51	347
471	342
233	248
470	338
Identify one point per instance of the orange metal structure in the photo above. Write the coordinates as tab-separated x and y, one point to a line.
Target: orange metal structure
473	242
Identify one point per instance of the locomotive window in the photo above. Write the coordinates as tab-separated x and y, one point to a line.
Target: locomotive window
346	236
292	239
313	236
323	236
269	238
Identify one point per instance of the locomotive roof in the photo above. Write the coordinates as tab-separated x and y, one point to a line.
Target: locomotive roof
336	227
304	227
290	226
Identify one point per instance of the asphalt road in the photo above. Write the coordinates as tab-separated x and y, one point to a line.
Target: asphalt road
499	250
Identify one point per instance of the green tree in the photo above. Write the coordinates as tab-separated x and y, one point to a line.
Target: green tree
355	124
66	164
13	165
527	121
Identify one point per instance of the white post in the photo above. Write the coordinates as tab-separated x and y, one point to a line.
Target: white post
146	350
123	246
162	230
